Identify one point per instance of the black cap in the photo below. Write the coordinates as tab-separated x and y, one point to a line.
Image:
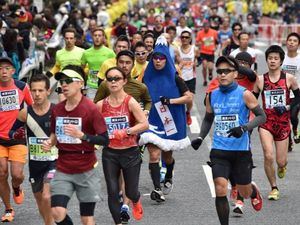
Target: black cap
228	59
244	56
7	60
126	52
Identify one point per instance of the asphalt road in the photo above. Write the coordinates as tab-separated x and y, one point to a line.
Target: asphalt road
191	201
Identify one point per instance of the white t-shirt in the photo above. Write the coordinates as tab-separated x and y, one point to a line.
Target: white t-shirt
187	60
251	51
292	66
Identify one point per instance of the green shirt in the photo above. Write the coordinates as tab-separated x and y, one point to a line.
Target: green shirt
65	57
94	58
136	89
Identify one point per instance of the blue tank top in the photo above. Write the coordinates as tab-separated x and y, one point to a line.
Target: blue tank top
230	111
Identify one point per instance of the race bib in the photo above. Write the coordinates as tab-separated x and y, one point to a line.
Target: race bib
60	133
224	123
116	123
93	76
9	100
37	154
275	98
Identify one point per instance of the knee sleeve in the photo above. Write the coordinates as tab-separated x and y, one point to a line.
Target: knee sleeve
59	201
87	208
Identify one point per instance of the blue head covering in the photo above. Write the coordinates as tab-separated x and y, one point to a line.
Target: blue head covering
163	83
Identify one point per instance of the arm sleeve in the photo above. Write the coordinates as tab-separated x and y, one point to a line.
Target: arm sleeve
181	85
206	124
247	72
101	139
260	118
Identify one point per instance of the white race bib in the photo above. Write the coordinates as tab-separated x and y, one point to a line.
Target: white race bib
275	98
9	100
59	129
35	150
224	123
116	123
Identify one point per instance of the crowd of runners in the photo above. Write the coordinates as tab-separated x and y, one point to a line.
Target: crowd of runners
126	83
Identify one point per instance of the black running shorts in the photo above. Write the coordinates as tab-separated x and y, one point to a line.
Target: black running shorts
240	163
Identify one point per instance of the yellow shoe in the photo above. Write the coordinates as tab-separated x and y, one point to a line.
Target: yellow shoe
274	195
281	171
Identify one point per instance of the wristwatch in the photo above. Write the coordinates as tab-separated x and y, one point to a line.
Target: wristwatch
128	131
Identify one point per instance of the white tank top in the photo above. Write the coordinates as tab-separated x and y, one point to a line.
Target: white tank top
188	60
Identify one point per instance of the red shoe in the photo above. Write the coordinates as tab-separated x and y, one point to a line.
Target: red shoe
137	210
256	202
19	198
188	118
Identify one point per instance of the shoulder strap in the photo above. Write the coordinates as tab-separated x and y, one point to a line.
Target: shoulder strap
34	127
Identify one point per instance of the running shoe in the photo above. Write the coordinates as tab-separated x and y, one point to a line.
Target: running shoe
124	214
137	210
210	76
297	138
8	216
233	195
18	197
205	83
238	208
188	118
157	195
281	171
257	202
274	195
168	186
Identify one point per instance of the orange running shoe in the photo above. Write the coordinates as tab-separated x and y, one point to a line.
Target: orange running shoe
19	198
256	202
137	210
8	216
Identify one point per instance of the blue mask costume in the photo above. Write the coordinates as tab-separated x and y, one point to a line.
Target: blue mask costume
167	123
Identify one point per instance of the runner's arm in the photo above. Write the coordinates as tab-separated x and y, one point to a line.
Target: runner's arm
252	104
142	122
208	119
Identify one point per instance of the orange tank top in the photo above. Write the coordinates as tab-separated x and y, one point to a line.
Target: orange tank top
118	118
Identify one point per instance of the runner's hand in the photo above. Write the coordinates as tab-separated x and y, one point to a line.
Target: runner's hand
47	145
73	131
196	143
280	109
19	133
164	100
236	132
120	134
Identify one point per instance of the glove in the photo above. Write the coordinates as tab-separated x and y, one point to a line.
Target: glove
19	133
164	100
196	143
49	74
280	109
120	134
236	132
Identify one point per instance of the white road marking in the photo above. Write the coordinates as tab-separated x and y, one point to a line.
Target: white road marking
207	169
194	127
146	194
209	179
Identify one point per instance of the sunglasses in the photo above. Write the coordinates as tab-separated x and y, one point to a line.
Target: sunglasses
225	71
116	79
68	80
159	57
140	53
185	37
